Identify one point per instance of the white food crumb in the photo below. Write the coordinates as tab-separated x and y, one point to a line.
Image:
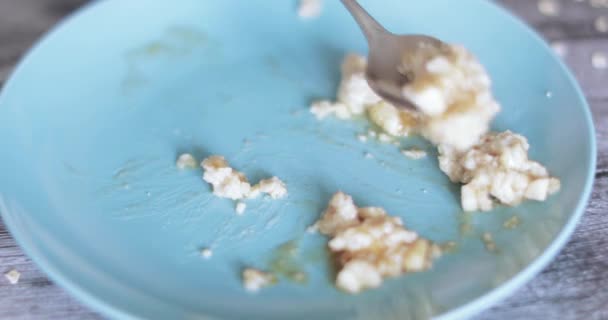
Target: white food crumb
601	24
497	169
254	279
13	276
240	207
226	182
414	153
362	137
599	60
274	187
370	245
560	48
206	253
186	161
309	8
549	7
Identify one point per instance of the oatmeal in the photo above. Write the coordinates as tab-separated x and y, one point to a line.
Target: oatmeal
452	91
397	123
226	182
455	104
449	86
369	245
497	169
230	183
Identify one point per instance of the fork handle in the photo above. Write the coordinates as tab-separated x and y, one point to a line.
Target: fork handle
370	27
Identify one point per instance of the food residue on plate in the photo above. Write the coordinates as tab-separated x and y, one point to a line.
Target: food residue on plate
240	207
254	279
206	253
512	222
449	86
226	182
488	241
369	245
452	92
414	153
273	187
186	161
455	104
286	263
455	107
497	169
232	184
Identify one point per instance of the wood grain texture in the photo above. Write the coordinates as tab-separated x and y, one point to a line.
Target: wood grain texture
573	286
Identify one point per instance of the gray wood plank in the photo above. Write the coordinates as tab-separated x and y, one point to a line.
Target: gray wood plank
571	287
574	20
574	27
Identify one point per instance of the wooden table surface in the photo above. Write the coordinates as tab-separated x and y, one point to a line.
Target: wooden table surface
573	286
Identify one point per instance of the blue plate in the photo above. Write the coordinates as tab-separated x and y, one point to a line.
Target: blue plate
93	118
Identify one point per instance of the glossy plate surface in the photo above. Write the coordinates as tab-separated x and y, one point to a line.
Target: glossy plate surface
92	120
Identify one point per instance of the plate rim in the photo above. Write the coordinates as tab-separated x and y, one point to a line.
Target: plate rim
466	310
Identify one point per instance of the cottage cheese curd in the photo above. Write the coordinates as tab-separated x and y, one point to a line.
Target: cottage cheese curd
226	182
230	183
497	169
370	245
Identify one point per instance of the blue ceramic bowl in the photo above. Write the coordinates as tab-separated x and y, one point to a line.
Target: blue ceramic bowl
93	118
